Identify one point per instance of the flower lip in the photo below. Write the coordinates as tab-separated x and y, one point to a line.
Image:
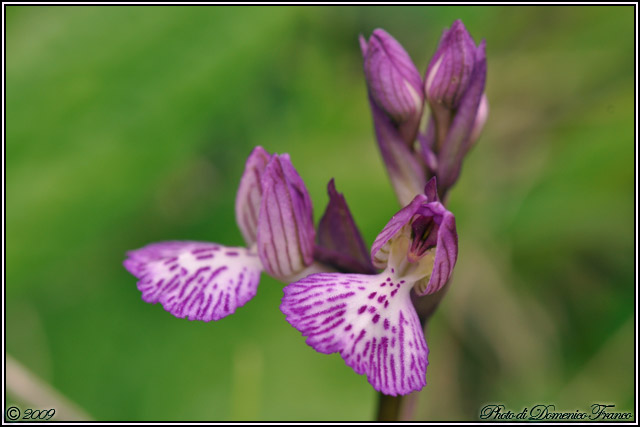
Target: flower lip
368	319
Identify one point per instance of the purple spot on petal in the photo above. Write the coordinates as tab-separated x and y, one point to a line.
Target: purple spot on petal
372	309
231	253
386	323
362	309
372	295
376	318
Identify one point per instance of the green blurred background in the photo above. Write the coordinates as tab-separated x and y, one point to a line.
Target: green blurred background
130	125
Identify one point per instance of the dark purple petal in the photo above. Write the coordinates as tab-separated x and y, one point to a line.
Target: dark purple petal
457	141
196	280
250	193
431	190
446	248
394	82
369	320
450	69
379	251
340	243
403	166
286	235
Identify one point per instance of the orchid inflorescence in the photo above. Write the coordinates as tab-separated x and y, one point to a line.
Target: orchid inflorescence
339	296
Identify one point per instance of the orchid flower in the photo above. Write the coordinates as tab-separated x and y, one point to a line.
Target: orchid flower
208	281
370	319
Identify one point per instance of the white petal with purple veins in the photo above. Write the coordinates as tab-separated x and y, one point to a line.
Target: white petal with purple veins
368	319
196	280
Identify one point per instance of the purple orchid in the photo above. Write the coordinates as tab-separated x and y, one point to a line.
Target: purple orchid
454	88
369	307
394	82
370	319
396	98
208	281
449	72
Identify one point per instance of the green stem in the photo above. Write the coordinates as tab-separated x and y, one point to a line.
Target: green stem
388	407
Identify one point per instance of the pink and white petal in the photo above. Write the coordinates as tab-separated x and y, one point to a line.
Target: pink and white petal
196	280
368	319
250	193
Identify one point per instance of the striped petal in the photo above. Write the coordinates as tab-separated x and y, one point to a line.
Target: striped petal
449	72
368	319
250	193
394	82
196	280
286	235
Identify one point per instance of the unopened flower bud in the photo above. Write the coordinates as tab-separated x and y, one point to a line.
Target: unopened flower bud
393	81
447	77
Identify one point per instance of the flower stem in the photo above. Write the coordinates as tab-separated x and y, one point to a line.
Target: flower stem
388	407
